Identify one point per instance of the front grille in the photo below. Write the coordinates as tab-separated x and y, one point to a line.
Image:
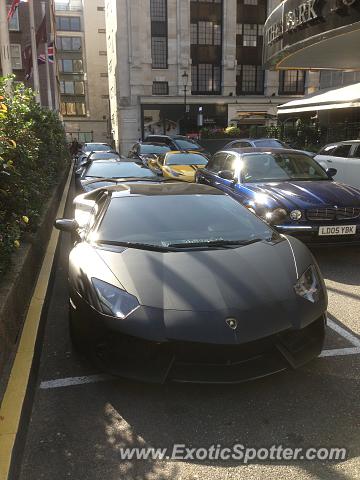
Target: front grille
332	213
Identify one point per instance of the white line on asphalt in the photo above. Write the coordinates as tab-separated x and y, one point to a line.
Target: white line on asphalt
70	381
344	333
340	352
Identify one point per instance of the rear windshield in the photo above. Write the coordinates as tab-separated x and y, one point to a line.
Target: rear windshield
268	143
117	170
187	144
96	147
154	148
186	159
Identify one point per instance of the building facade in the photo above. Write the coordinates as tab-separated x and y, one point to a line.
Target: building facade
82	66
19	33
176	65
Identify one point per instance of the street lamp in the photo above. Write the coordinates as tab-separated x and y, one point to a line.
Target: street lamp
185	79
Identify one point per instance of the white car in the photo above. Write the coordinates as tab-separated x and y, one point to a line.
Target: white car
345	157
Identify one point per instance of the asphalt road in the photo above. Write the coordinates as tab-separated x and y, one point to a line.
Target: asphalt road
75	432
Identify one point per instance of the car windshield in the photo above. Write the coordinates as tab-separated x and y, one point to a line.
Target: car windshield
194	219
117	170
268	142
186	159
154	149
187	144
96	147
103	156
262	167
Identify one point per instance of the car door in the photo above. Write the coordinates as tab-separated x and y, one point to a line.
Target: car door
352	167
339	159
209	175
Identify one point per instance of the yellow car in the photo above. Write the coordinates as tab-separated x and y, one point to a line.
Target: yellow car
178	165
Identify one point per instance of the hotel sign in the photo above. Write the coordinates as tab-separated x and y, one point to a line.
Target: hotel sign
292	19
295	24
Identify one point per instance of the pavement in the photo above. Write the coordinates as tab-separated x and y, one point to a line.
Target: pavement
79	419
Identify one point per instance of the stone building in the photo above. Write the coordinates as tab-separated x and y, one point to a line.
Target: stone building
176	64
82	66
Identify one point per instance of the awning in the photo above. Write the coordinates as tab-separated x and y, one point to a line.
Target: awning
343	97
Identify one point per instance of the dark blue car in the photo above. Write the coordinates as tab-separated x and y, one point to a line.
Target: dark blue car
290	190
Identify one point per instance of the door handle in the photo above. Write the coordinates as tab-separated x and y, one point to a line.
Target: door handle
330	161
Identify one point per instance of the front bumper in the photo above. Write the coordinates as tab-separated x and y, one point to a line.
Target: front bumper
309	234
184	361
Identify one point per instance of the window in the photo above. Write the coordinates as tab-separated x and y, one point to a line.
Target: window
104	75
69	44
249	35
216	162
292	82
250	2
14	22
160	88
342	150
205	78
159	33
103	52
68	24
158	11
15	52
70	109
100	9
159	52
250	79
70	66
229	163
205	33
101	30
356	153
70	87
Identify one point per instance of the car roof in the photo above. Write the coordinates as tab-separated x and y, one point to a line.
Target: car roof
115	160
341	142
262	149
162	189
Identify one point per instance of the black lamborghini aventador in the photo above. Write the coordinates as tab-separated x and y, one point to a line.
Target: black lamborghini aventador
180	282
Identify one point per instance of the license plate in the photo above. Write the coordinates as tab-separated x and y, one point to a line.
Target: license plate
338	230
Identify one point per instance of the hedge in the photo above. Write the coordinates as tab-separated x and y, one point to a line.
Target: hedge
33	153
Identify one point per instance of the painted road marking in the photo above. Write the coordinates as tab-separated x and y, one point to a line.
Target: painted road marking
12	404
350	337
70	381
335	352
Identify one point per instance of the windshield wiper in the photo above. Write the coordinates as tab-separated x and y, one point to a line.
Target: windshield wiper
215	243
140	246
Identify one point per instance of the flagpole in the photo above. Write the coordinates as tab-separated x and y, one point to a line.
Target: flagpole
34	52
48	84
5	53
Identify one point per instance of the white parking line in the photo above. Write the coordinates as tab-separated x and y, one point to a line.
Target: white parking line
344	333
70	381
339	352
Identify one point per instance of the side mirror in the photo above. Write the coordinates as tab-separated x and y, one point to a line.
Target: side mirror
66	225
331	172
226	174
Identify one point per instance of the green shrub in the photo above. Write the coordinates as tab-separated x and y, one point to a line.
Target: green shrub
33	152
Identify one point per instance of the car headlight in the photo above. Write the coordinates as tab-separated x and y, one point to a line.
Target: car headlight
114	301
295	215
275	216
308	285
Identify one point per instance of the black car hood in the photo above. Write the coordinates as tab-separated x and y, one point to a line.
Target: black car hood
206	280
189	296
305	194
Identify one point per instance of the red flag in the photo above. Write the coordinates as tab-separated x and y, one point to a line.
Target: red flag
13	8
